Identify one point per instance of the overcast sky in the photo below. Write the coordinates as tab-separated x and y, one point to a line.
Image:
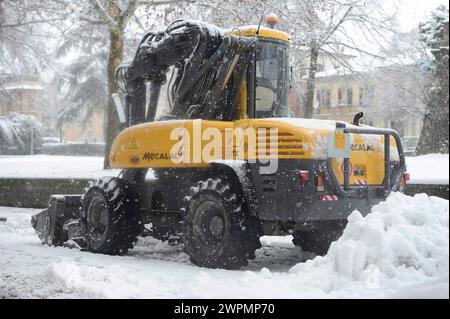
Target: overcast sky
411	12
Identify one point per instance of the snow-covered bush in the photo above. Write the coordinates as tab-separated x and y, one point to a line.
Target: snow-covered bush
435	130
16	131
431	32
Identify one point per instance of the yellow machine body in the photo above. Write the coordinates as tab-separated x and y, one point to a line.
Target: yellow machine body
252	31
171	144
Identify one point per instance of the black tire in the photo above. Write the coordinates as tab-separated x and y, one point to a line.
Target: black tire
319	240
216	231
111	219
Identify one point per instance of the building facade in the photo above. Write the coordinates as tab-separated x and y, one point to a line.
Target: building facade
30	95
21	95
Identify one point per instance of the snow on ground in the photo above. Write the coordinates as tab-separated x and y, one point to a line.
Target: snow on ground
401	250
429	169
426	169
48	166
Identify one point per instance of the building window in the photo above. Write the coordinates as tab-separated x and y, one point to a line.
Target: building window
366	96
349	96
345	96
324	98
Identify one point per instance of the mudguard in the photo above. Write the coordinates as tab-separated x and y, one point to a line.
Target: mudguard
240	171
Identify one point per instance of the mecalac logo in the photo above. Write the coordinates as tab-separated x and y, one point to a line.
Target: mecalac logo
156	156
134	144
362	147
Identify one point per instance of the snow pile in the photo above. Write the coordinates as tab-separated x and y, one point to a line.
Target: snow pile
402	247
53	167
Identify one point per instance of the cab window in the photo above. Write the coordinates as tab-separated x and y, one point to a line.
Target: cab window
271	82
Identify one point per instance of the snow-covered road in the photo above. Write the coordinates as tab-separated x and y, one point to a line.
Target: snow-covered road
400	250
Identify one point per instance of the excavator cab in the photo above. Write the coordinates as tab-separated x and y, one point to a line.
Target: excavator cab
271	85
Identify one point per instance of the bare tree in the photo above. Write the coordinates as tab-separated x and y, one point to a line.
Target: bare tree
28	33
23	26
403	75
329	28
316	27
116	14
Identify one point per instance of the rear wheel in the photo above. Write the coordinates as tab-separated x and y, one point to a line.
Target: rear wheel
111	220
318	240
217	233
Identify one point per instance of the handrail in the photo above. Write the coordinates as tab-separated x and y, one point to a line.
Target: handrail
387	133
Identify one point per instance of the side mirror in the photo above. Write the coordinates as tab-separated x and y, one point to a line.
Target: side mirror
119	108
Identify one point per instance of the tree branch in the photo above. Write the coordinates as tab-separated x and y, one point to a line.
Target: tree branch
112	23
341	21
126	14
162	2
91	20
21	24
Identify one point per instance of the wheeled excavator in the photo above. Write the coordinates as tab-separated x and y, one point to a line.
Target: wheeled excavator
210	157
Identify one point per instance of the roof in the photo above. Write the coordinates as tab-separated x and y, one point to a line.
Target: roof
359	67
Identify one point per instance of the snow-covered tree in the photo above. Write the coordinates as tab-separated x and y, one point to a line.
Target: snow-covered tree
18	132
432	31
405	77
435	131
23	27
29	32
79	72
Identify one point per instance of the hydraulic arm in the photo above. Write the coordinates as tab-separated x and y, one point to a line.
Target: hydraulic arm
204	61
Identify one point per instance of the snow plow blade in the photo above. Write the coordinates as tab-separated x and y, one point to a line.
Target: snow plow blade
60	222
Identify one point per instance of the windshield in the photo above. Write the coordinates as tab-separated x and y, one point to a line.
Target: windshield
271	85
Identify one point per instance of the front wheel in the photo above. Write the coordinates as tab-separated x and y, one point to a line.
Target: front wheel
111	220
217	233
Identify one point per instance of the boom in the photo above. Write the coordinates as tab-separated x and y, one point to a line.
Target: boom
204	60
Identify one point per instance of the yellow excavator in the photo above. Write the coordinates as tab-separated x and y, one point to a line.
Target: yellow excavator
211	159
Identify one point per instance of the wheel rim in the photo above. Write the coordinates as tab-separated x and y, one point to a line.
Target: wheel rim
97	217
210	223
